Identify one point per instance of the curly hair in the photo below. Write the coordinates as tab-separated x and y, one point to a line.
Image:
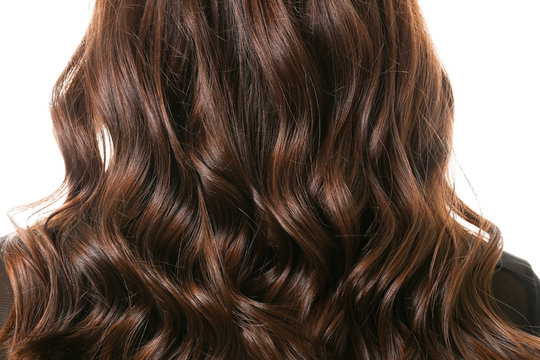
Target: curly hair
250	179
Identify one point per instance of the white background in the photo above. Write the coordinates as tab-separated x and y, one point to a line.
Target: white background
490	48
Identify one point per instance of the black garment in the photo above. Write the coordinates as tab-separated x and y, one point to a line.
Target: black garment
515	287
517	290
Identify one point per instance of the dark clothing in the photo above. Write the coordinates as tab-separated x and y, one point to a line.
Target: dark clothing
515	286
517	290
6	293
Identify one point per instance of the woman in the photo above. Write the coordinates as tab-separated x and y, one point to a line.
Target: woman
261	180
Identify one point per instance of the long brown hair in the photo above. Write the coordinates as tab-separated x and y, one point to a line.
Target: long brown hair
275	187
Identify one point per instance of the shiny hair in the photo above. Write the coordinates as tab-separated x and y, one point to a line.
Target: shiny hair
256	180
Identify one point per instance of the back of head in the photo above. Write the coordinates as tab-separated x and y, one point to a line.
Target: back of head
256	180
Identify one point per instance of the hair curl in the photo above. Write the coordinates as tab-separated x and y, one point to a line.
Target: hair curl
275	188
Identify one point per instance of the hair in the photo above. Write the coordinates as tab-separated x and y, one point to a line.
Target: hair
275	187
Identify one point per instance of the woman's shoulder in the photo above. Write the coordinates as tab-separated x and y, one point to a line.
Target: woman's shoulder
6	293
516	288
